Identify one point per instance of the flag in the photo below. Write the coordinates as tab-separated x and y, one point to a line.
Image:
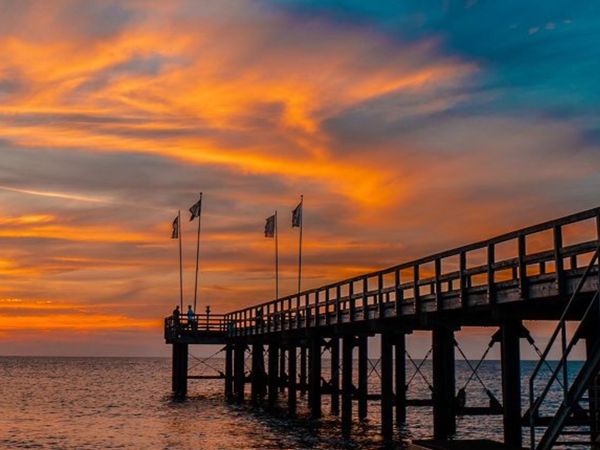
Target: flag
297	216
270	227
196	209
175	232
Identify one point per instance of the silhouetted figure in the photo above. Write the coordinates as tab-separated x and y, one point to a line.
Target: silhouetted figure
191	318
176	320
176	316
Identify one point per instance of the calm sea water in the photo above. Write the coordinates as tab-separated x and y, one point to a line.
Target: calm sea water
125	403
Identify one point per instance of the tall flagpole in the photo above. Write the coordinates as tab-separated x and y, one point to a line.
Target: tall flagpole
180	262
197	254
300	244
276	260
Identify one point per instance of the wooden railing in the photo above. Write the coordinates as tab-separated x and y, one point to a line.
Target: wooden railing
200	323
438	278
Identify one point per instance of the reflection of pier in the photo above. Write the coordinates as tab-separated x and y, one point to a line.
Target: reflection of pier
544	272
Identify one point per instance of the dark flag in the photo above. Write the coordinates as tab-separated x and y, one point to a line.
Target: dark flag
175	232
270	227
297	216
196	209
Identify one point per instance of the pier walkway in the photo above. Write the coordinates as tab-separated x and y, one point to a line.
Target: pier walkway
547	271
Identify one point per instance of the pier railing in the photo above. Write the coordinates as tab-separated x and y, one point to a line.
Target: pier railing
435	282
199	324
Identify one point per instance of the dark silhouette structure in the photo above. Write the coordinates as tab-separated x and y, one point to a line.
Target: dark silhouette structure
547	271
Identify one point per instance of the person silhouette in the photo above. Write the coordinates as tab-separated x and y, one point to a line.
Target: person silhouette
176	316
191	317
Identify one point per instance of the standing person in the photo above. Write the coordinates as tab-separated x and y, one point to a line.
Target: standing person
191	317
175	317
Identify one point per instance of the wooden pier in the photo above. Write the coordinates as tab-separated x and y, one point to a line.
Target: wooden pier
535	273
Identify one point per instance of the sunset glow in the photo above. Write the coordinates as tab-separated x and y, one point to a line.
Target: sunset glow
404	138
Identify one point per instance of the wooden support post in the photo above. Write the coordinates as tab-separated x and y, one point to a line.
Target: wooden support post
282	377
444	409
292	387
238	371
400	369
174	368
258	373
303	363
363	375
180	369
229	372
511	381
387	392
273	378
335	375
314	391
347	387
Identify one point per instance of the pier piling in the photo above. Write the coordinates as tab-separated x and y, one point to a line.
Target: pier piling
292	381
257	380
444	411
387	382
334	382
511	381
363	367
238	371
400	377
273	377
229	372
314	391
347	387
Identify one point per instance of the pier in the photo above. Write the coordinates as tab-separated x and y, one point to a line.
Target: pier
534	273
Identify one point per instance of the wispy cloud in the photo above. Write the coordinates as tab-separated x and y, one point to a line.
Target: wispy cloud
114	115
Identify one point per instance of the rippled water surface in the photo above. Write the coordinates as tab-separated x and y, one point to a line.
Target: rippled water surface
124	403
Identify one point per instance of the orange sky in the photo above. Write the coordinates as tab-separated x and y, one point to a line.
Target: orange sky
110	125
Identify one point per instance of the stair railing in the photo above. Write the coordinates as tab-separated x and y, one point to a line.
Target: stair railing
566	347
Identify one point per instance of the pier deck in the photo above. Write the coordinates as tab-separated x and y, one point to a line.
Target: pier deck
544	272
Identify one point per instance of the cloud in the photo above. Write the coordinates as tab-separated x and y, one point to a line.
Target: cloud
115	115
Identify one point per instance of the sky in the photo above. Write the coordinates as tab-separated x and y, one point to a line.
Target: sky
410	127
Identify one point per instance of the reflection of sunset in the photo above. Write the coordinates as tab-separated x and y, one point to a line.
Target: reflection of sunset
109	127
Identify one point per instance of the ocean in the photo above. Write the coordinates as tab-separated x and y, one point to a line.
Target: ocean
125	403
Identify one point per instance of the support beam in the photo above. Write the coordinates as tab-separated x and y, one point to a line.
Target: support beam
238	371
347	388
387	392
400	382
257	387
444	409
363	375
229	372
511	381
335	375
315	377
303	364
180	369
292	387
174	367
273	377
282	377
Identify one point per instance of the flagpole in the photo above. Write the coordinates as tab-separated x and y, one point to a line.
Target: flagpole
180	261
276	259
300	244
197	253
